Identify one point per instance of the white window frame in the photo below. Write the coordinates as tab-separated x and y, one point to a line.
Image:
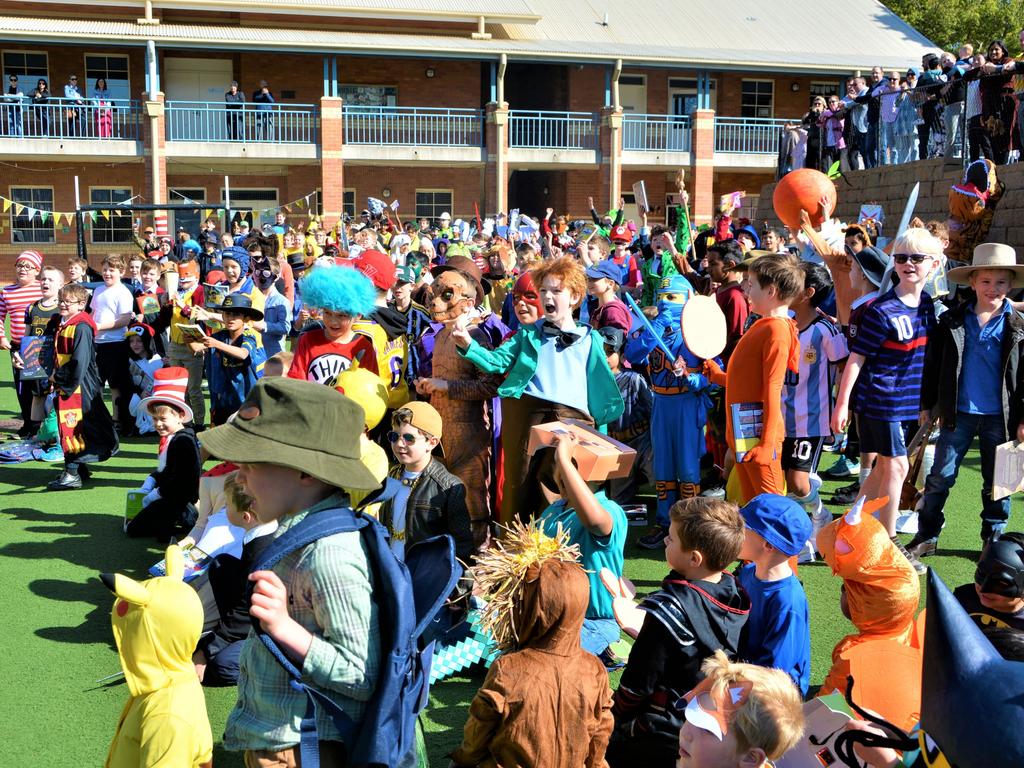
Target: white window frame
25	88
825	88
434	190
99	216
87	91
52	224
344	193
768	80
689	90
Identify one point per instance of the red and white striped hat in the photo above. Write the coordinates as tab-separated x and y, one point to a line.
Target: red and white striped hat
35	258
169	385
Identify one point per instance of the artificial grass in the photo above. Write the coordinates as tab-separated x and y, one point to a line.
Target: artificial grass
57	613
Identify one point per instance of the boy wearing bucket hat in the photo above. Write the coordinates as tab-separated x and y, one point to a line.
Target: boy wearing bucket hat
168	509
973	381
296	444
236	357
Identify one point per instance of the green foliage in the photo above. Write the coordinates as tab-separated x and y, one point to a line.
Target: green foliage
950	23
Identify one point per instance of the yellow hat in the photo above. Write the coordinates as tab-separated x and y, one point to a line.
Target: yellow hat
367	389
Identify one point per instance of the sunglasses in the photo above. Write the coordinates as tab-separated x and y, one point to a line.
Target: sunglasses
74	79
408	437
914	258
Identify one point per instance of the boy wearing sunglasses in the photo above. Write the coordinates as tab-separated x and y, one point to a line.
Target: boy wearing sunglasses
431	501
884	370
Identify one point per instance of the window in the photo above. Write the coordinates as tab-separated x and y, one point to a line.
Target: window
826	88
368	95
749	207
348	205
190	220
113	69
431	203
257	201
757	98
113	228
682	95
28	226
28	67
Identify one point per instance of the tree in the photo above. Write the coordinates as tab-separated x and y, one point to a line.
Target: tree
951	23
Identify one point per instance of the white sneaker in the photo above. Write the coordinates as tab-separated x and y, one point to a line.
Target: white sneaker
808	554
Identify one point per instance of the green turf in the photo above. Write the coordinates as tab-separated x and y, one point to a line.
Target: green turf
58	638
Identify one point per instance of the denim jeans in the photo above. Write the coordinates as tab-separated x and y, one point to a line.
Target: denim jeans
952	116
887	152
598	634
949	453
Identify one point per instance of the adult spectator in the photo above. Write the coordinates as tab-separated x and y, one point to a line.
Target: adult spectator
40	96
811	123
906	121
264	101
1019	95
953	94
857	120
235	101
887	93
73	106
280	223
104	109
929	84
12	107
871	158
833	121
997	105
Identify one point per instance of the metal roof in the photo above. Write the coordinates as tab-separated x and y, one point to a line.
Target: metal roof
831	36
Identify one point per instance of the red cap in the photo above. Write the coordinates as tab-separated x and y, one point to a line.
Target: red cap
378	267
621	234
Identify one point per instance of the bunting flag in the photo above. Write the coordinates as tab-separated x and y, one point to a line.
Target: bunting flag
18	208
7	205
301	203
92	216
105	215
43	216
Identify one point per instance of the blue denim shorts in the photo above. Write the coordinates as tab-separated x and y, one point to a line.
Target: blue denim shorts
882	437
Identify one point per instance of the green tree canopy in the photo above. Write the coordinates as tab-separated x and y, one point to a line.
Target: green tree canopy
950	23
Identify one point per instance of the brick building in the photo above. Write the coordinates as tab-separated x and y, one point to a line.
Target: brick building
448	106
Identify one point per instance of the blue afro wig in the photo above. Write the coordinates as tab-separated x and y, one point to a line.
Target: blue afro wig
338	289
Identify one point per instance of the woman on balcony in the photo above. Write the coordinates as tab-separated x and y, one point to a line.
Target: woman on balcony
997	104
41	119
104	111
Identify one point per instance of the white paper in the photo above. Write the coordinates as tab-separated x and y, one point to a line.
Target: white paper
1009	471
640	195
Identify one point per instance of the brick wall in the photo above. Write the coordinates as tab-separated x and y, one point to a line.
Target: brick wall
466	185
890	187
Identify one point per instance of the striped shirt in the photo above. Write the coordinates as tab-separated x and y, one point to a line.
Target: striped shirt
330	593
807	405
892	338
14	300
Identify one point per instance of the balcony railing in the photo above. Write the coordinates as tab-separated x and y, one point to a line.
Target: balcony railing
248	123
749	135
656	133
414	126
59	118
552	130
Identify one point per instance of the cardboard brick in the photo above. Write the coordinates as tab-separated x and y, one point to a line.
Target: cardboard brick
597	456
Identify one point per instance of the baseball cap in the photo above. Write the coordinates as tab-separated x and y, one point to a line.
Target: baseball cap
378	267
621	234
613	337
404	274
606	268
424	417
873	262
298	424
779	520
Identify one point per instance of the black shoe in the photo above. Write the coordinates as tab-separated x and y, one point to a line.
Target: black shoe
923	547
919	568
847	494
84	472
66	482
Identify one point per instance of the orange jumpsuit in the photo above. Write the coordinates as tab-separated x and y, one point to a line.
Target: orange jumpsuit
757	371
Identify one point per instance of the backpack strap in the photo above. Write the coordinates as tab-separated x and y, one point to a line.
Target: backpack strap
311	529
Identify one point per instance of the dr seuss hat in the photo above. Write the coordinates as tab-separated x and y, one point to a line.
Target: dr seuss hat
990	256
169	385
298	424
778	520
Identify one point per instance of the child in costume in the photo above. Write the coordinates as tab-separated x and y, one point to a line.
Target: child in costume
156	626
343	295
766	355
235	361
143	363
996	597
886	363
545	365
807	403
546	701
603	280
181	309
740	716
14	300
973	381
699	609
633	427
86	430
880	589
168	509
41	319
680	405
778	632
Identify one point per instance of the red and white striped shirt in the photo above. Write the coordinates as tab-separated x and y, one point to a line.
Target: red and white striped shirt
14	300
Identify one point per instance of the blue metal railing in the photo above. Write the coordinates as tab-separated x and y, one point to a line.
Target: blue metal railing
749	135
552	130
249	123
414	126
60	118
656	133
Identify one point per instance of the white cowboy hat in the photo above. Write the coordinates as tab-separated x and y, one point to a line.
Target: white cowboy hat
990	256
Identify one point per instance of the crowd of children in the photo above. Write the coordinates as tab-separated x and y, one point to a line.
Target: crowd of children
444	347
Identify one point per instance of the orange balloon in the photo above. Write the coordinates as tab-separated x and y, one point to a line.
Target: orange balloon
805	189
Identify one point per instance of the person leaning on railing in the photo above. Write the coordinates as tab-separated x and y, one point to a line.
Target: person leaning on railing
235	100
12	107
73	106
40	96
264	101
997	105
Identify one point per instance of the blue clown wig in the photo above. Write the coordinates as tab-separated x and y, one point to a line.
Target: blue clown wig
338	289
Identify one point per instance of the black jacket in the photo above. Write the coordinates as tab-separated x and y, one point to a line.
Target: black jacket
437	505
943	361
178	481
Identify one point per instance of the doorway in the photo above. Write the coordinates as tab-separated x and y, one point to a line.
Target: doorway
199	83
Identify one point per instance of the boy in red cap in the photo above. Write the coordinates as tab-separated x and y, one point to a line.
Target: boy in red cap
623	258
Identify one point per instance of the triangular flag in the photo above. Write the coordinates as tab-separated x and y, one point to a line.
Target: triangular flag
18	208
43	216
208	213
7	204
301	204
92	216
105	215
287	209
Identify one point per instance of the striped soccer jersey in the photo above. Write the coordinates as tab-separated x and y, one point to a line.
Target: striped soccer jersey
807	405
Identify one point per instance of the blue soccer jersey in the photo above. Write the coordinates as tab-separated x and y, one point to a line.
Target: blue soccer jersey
807	405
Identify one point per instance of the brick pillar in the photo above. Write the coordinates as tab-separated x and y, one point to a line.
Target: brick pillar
496	171
332	179
610	175
702	159
155	157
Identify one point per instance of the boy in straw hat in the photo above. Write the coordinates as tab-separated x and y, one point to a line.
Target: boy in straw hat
296	444
973	380
168	508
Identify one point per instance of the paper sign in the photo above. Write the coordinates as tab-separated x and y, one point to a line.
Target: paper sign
1009	472
640	194
394	205
598	456
132	505
704	327
870	211
37	357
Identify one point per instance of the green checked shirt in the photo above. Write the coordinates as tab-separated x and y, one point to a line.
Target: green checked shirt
330	588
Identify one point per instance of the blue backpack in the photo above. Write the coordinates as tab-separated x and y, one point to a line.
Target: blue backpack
409	596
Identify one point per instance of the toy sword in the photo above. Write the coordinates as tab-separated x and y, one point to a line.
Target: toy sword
657	339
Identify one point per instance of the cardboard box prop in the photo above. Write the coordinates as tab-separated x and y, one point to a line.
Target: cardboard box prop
597	456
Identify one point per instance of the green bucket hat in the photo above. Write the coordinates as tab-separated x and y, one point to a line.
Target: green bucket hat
297	424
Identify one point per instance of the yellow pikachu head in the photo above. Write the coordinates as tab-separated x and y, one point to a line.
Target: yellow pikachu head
156	624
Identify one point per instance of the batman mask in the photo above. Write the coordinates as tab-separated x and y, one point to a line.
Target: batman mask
1001	568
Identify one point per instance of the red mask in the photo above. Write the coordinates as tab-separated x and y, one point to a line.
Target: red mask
524	290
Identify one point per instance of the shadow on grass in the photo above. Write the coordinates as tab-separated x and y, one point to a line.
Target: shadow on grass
95	626
446	714
222	758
